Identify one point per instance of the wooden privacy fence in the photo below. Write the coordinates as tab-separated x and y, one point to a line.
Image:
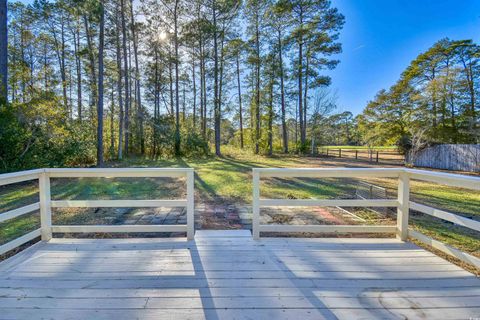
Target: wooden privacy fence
362	154
402	203
462	157
46	204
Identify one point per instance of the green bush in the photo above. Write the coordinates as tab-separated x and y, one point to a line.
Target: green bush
193	145
39	134
163	137
304	148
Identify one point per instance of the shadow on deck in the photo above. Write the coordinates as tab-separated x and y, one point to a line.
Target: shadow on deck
226	275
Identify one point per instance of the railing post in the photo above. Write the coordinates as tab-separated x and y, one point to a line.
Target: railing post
255	205
190	205
403	206
45	206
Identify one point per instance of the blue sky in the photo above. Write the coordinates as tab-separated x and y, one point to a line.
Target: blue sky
380	38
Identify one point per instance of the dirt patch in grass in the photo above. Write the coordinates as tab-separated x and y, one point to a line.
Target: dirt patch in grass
281	218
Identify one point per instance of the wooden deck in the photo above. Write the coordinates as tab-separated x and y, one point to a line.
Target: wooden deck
227	275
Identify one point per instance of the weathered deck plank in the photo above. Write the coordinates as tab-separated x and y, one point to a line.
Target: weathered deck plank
223	275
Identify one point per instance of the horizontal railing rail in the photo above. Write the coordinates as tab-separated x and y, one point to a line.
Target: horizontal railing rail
402	203
188	202
259	173
453	180
16	177
45	203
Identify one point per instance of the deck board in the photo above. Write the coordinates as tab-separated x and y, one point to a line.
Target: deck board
224	275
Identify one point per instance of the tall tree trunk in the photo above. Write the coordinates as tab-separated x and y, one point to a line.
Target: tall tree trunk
140	116
251	109
257	84
177	101
240	111
45	66
300	79
305	94
184	104
220	85
445	92
221	69
22	56
112	122
282	94
215	85
14	61
93	76
60	53
78	65
204	129
202	115
100	88
63	70
270	114
471	89
70	92
3	50
452	111
121	122
131	91
170	76
126	75
467	67
156	106
434	103
194	95
296	125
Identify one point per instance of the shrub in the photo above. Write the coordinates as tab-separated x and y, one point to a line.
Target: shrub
39	134
193	145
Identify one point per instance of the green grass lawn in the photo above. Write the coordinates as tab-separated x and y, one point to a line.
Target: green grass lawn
228	179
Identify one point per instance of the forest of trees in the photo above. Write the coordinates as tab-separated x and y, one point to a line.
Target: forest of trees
435	99
90	79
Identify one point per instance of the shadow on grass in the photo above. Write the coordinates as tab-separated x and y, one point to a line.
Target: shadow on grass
310	187
467	208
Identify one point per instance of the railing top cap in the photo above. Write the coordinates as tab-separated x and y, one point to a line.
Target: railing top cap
21	173
442	174
329	169
366	169
149	169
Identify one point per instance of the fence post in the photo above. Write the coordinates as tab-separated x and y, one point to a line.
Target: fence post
327	152
255	205
190	205
339	153
45	206
403	206
377	157
356	154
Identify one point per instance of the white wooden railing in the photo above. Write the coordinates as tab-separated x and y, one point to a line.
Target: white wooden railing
45	203
402	203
